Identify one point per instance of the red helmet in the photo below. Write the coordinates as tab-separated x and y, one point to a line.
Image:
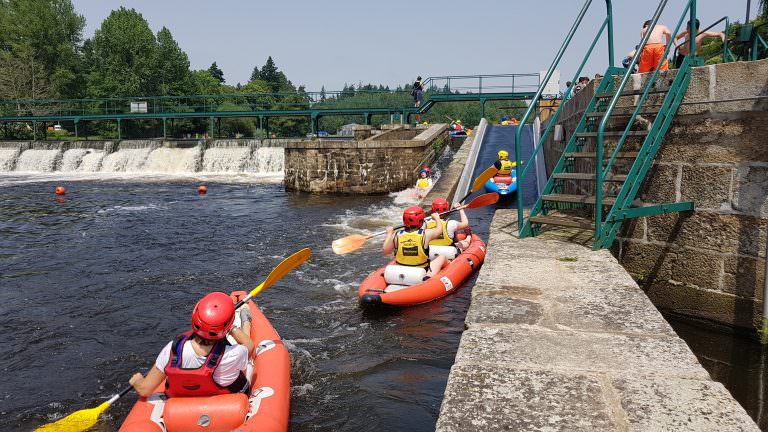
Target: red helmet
439	205
413	217
213	316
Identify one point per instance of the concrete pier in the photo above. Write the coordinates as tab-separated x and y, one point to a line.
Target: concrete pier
561	338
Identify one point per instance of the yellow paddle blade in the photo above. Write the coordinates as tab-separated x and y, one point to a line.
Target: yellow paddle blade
348	244
283	269
78	421
484	177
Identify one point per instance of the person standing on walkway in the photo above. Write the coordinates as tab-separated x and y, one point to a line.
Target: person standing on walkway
682	41
654	49
418	91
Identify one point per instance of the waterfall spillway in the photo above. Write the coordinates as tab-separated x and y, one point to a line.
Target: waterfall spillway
147	157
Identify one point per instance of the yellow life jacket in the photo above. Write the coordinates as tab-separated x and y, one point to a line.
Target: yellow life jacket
444	239
410	249
506	168
423	183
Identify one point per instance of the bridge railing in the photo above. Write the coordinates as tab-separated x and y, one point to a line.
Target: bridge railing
478	84
523	168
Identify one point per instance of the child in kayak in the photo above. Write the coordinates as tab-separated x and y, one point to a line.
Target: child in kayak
504	165
411	244
423	184
201	362
450	228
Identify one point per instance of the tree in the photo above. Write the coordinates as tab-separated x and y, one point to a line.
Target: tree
322	94
50	31
23	78
216	73
255	75
122	57
203	83
272	76
764	8
172	65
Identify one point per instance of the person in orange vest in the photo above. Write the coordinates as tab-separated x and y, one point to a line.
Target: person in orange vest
201	362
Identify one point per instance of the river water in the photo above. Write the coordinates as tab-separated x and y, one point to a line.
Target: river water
95	283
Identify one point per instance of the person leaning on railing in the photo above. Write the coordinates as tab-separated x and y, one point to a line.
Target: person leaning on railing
683	44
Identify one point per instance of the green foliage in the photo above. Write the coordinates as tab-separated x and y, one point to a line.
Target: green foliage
172	65
216	73
50	31
122	57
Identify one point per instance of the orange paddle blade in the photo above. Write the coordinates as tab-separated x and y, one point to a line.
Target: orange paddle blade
484	177
348	244
484	200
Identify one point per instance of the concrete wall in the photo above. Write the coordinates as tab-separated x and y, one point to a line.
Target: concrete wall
379	164
708	264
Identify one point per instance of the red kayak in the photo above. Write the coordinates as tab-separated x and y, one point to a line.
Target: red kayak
392	284
265	409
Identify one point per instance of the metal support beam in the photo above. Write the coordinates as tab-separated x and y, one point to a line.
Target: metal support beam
653	210
34	131
218	126
482	107
119	130
165	128
211	130
314	123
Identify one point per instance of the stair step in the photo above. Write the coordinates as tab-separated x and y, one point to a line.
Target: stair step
599	114
570	221
630	93
589	176
592	155
577	199
611	134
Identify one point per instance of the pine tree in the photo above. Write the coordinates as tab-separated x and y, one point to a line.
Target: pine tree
216	73
255	75
271	75
322	93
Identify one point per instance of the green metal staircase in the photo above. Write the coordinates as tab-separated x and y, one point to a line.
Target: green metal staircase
609	154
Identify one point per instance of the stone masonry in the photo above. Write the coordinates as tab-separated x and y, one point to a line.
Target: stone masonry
561	338
380	163
710	263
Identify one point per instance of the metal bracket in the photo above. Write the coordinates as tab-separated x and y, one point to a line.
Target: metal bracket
653	210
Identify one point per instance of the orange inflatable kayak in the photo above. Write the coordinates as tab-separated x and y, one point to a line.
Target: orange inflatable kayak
265	409
393	284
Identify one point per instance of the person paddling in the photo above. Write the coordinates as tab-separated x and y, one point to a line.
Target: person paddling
411	244
450	228
201	362
504	165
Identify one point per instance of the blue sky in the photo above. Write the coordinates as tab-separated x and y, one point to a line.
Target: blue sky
334	42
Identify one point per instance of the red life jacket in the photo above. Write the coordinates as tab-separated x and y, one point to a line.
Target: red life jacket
198	381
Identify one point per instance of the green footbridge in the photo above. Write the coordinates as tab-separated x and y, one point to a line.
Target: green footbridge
264	106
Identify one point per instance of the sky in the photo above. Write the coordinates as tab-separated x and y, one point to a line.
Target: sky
333	42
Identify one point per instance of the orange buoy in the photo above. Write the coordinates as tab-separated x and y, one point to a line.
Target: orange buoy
60	190
202	189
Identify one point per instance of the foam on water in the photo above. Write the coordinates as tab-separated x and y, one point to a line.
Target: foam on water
173	160
34	160
226	159
72	159
91	161
8	158
267	160
125	160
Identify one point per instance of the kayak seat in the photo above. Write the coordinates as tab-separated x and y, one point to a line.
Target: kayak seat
449	252
219	413
404	275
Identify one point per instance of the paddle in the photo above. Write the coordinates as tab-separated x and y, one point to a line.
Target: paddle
355	241
480	181
85	419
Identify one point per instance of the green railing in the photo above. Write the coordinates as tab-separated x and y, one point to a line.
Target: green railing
458	87
600	172
524	167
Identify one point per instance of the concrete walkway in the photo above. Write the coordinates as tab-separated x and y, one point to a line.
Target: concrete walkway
560	338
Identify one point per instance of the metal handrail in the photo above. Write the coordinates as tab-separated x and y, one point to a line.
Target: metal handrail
600	173
607	23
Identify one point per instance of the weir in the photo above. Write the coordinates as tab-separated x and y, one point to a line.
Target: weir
255	157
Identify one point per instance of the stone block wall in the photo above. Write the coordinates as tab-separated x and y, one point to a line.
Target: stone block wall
710	263
371	166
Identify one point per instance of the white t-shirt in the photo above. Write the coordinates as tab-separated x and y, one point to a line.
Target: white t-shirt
451	227
234	361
